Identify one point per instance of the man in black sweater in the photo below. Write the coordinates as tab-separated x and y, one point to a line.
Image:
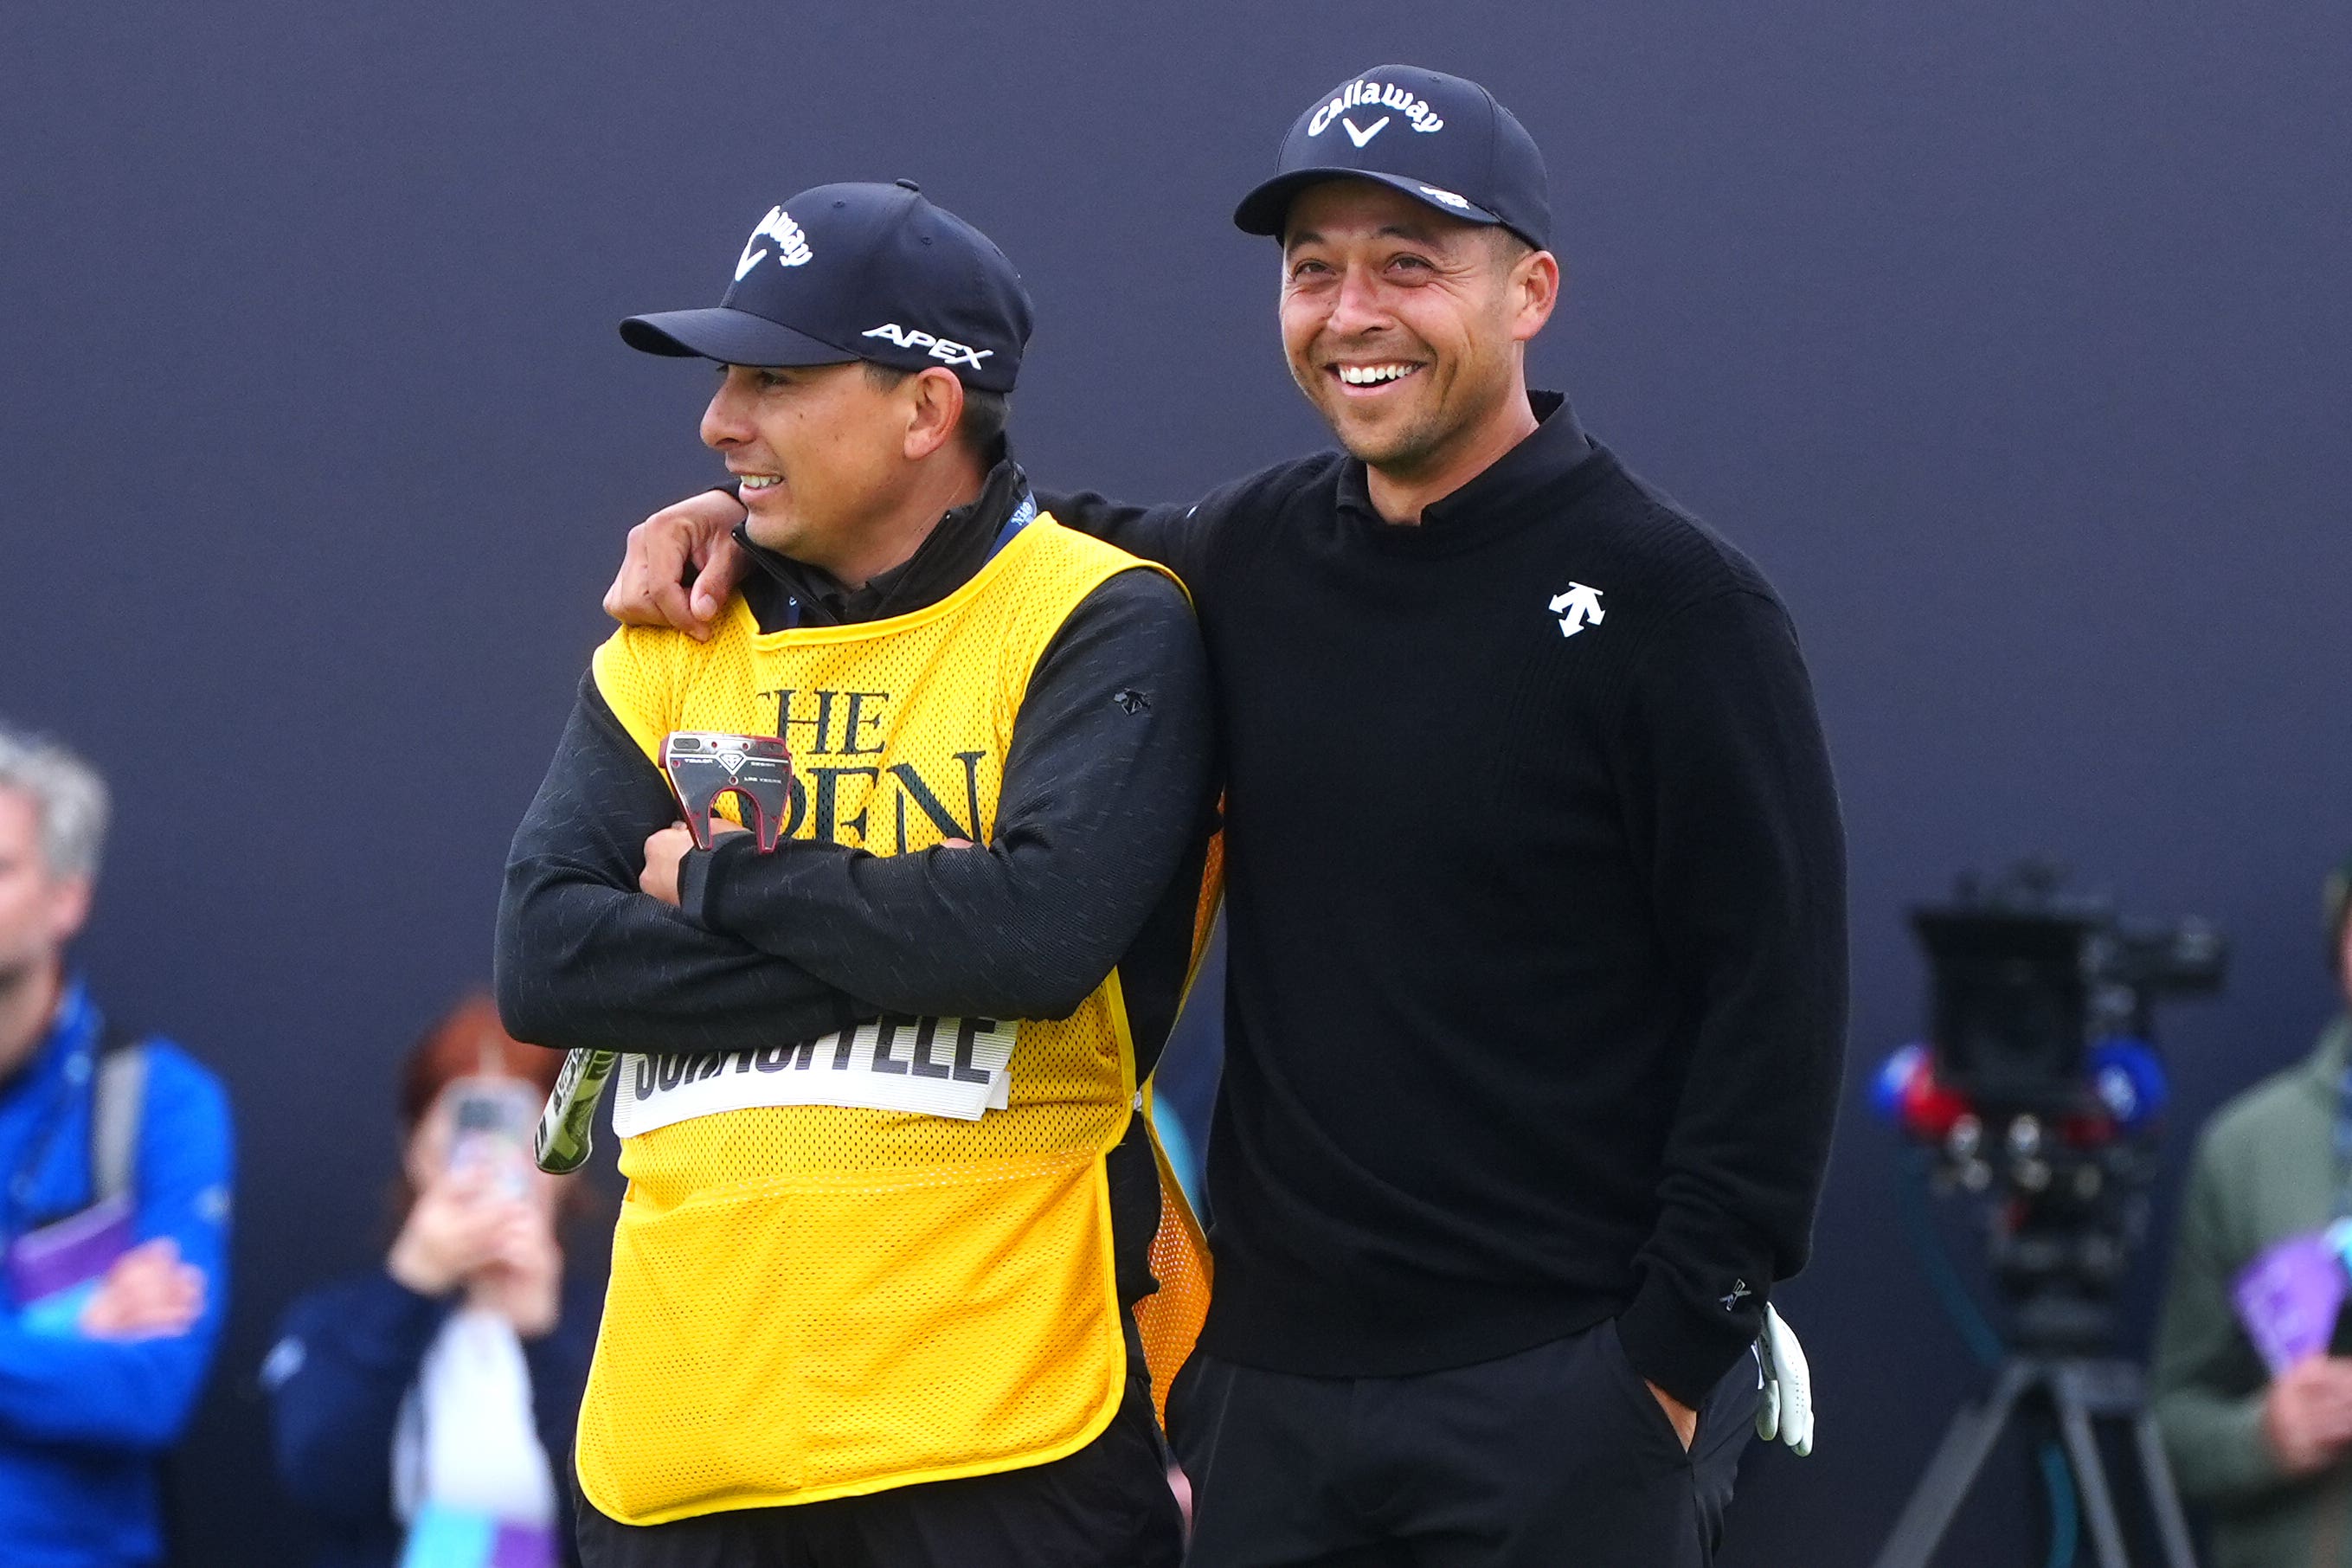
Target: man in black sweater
1535	994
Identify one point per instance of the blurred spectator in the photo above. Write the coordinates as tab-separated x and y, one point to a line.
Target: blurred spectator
2266	1452
424	1410
115	1151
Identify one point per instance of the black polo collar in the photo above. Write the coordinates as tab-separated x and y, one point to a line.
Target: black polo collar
1557	446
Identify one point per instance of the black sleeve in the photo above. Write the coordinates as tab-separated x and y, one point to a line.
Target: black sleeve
1208	534
1167	533
1106	788
1722	754
586	960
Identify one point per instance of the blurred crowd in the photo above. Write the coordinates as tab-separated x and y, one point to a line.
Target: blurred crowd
423	1409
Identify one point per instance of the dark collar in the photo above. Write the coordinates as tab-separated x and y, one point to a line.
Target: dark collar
957	546
1557	445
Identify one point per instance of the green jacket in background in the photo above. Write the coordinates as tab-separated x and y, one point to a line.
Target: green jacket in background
2264	1171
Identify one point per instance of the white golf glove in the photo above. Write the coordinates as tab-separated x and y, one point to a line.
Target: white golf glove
1787	1412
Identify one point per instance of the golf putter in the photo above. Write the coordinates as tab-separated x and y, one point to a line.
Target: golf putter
702	766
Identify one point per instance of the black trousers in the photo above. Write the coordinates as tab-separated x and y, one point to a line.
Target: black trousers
1106	1506
1556	1457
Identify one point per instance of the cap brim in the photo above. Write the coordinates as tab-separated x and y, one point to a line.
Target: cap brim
1262	211
729	336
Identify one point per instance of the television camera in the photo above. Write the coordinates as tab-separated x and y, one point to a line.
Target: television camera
2041	1091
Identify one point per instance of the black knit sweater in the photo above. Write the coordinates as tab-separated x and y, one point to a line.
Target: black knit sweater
1537	986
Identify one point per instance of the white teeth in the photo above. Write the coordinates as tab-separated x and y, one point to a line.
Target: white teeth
1373	374
760	482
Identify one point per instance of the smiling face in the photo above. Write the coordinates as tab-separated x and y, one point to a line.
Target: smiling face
1405	327
825	453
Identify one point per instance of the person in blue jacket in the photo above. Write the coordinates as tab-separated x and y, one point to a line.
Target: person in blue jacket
424	1410
115	1159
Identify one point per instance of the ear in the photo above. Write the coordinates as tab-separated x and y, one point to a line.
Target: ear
69	898
1535	293
934	411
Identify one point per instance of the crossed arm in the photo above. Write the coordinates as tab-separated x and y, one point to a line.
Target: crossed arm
1101	801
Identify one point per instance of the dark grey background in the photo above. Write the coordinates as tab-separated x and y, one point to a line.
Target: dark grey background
2013	338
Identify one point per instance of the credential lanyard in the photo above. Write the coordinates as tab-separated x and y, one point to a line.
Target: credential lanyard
1023	516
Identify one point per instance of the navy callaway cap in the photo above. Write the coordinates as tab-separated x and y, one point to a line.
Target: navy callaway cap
1439	139
859	273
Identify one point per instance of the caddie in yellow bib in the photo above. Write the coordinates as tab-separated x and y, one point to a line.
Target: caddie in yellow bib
891	1208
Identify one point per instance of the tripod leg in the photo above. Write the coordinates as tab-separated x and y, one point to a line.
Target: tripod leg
1967	1441
2163	1498
2090	1476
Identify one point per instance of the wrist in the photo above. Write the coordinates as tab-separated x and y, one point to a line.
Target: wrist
1677	1349
700	874
414	1272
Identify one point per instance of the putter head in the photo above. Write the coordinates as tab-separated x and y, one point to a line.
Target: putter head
703	764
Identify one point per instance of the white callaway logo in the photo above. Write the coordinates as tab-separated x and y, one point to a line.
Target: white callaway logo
791	245
947	349
1370	96
1448	197
1578	609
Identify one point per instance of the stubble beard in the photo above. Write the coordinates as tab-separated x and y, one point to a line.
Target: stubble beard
1398	446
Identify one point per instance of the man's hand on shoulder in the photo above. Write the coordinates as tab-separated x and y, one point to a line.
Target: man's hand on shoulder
695	535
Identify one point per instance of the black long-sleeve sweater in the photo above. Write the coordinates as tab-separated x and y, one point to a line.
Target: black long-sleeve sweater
1101	825
1535	989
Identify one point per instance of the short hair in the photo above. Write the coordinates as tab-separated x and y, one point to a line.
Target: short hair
985	414
1509	246
468	1041
68	796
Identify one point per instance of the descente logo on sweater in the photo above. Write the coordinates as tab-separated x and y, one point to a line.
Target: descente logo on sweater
1578	609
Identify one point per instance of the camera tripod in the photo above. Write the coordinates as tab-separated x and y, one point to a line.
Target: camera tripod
2078	1390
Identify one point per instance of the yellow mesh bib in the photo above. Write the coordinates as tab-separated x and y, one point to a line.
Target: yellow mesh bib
811	1301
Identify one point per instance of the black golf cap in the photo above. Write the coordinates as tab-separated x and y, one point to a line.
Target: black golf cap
1439	139
859	273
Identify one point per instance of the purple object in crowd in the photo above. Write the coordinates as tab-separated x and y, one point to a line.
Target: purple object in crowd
524	1546
71	1252
2288	1298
